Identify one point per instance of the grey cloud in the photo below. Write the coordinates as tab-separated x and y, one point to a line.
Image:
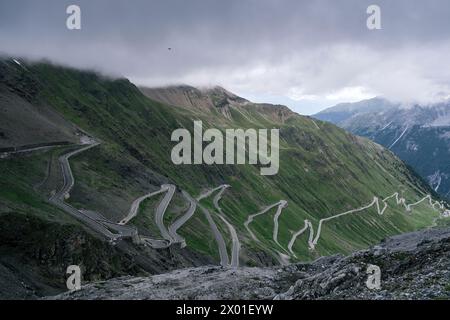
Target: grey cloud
266	46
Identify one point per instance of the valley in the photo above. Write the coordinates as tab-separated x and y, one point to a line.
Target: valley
224	150
114	181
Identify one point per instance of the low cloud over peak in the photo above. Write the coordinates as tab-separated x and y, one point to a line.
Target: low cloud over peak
307	54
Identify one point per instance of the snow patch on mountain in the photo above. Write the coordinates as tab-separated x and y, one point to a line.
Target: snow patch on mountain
445	135
443	121
412	146
435	180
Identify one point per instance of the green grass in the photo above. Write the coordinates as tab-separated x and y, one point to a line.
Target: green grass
322	171
145	217
21	190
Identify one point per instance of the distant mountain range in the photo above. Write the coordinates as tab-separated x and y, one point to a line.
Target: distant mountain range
419	135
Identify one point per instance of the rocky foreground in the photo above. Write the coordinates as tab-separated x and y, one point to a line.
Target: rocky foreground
413	266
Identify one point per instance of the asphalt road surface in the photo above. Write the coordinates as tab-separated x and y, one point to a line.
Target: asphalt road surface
235	239
136	203
182	220
224	260
58	198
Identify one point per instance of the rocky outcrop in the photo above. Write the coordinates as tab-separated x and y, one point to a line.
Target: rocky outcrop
413	266
35	253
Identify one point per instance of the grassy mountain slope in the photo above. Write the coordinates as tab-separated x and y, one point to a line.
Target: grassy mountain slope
323	169
22	122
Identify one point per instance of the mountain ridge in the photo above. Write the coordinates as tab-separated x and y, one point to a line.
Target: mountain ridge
323	170
419	135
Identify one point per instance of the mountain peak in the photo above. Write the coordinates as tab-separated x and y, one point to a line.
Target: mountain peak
190	97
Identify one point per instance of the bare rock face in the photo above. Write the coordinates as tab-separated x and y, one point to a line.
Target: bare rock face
413	266
34	256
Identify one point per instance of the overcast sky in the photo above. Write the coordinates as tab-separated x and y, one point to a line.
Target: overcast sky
305	54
